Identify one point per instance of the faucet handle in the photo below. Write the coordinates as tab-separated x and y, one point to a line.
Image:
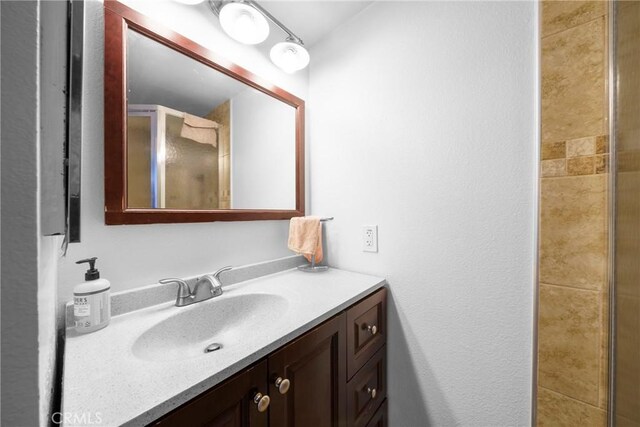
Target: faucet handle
183	288
222	270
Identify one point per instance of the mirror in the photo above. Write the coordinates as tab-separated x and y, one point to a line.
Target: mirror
190	137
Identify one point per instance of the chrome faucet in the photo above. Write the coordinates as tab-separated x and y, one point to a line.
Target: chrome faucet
206	287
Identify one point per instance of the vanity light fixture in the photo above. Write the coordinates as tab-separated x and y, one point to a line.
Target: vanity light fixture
289	55
246	22
190	1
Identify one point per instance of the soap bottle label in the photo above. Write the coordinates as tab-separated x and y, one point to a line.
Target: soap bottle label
81	307
92	311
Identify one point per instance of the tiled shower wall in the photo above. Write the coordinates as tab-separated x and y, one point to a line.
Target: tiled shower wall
573	298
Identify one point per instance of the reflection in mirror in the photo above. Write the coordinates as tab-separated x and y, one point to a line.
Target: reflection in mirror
198	139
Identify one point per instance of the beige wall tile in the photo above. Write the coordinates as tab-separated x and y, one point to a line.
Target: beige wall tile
581	147
572	329
573	82
222	115
556	410
562	15
569	342
226	181
556	167
602	163
573	231
602	144
581	166
554	150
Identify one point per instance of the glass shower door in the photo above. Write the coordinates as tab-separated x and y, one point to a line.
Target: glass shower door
625	403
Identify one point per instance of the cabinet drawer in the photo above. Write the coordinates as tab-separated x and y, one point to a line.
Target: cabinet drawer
366	390
366	330
381	417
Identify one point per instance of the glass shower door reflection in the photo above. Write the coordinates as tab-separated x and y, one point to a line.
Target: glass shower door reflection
191	170
172	160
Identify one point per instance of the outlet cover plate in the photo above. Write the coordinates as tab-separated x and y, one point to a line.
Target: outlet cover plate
370	238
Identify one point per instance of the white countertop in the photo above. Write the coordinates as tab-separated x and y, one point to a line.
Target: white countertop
104	379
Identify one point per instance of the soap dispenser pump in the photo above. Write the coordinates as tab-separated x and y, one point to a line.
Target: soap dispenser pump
91	301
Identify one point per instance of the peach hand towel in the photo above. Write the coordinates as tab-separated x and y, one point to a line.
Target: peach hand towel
305	237
199	129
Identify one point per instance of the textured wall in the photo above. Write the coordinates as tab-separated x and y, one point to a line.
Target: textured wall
132	256
573	318
48	382
19	213
29	261
423	121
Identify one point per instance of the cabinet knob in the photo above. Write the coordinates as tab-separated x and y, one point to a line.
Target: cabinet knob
373	329
372	391
262	401
282	385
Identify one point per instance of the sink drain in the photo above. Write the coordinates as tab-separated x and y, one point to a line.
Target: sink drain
213	347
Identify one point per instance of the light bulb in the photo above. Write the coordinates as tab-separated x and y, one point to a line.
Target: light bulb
244	23
290	56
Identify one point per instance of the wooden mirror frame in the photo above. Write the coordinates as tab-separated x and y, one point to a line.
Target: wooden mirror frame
118	19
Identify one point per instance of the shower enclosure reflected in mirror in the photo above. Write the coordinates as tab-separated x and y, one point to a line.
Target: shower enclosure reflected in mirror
190	137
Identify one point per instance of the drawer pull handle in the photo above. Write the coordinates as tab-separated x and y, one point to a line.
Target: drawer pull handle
372	391
262	401
282	385
373	329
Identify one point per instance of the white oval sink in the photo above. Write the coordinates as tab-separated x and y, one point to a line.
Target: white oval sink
223	320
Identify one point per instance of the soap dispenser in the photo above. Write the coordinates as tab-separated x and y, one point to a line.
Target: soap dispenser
91	301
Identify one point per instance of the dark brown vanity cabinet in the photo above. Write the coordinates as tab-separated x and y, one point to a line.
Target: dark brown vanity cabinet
234	403
366	360
315	365
332	376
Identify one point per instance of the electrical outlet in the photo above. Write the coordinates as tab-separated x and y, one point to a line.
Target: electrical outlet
370	238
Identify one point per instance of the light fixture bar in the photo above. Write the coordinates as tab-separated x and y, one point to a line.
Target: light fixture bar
273	19
216	5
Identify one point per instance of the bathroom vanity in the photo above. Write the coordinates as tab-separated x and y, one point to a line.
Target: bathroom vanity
333	375
294	349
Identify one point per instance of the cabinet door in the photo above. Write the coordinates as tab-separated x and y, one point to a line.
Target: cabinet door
315	365
380	418
229	404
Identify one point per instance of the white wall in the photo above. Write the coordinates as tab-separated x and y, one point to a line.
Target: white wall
422	119
263	171
132	256
48	383
29	261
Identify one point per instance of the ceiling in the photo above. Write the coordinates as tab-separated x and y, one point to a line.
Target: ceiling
311	20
